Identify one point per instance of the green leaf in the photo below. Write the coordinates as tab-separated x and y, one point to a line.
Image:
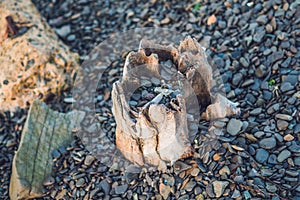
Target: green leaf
271	82
197	6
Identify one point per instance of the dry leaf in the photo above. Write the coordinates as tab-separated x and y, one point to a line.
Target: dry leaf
211	20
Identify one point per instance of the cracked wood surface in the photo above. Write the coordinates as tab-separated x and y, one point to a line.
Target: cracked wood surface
44	131
156	134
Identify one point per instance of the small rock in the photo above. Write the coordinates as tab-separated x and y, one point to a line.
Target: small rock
209	190
236	194
89	160
63	31
269	28
199	197
283	155
271	187
268	143
190	185
168	180
234	126
247	194
224	171
195	172
288	137
282	125
239	179
55	153
244	62
180	166
71	38
184	197
292	173
297	161
219	187
105	186
261	71
211	20
266	172
80	182
298	189
263	19
164	190
133	103
286	86
272	159
198	190
261	155
132	172
256	111
69	100
237	79
248	82
165	21
284	117
121	189
49	180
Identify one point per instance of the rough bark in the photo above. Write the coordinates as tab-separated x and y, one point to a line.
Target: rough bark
33	61
154	133
44	131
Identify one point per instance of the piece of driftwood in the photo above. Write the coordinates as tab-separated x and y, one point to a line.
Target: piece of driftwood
45	130
155	134
33	61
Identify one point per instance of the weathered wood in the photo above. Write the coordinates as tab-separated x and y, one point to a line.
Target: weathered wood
33	61
44	131
156	134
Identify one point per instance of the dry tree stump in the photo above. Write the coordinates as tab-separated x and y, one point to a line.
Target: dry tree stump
155	130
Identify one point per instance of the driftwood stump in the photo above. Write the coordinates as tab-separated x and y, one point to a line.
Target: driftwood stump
179	80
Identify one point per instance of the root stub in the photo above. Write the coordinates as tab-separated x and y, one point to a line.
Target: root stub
154	128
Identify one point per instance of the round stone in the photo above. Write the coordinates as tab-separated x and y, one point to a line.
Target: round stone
234	126
283	155
261	155
268	143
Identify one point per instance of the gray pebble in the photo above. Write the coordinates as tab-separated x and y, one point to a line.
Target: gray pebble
266	172
268	143
261	155
297	161
263	19
133	103
261	71
105	186
237	78
284	117
236	194
282	125
234	126
63	31
80	182
239	179
286	86
71	38
256	111
283	155
271	187
244	62
190	186
49	180
121	189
